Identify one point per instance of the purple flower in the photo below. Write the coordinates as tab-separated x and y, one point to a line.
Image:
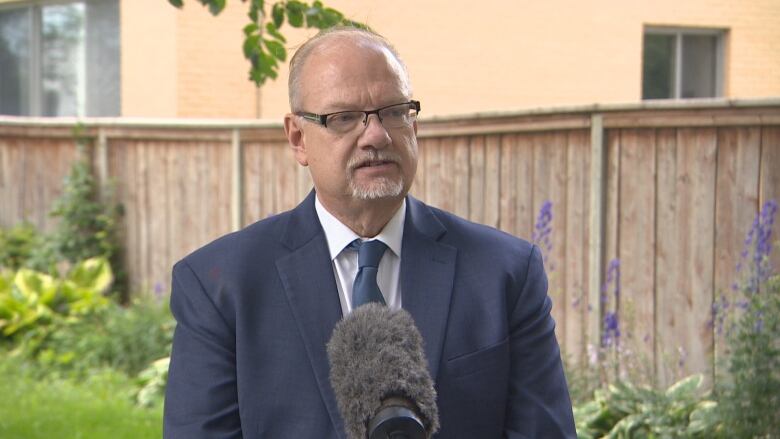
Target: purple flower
158	290
611	327
542	235
756	249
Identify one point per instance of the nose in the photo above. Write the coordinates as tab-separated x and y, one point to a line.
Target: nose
375	134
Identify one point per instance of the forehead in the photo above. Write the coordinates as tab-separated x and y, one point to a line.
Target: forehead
349	71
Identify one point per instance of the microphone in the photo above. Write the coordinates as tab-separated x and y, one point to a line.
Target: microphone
380	376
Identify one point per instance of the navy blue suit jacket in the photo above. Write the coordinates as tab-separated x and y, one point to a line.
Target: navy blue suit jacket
256	308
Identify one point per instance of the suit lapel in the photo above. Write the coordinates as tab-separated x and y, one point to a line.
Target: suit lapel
427	276
310	286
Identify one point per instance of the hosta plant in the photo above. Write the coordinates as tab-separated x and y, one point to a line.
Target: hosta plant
29	298
624	411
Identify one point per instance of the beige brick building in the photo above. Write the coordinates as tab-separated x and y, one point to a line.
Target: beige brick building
464	56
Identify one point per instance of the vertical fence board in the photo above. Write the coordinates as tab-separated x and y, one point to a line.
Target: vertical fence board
158	214
176	213
268	179
253	182
637	227
770	181
418	184
492	181
550	185
684	273
434	182
739	152
460	157
477	171
524	185
576	251
507	217
670	287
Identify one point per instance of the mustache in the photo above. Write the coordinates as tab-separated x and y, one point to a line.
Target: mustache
372	156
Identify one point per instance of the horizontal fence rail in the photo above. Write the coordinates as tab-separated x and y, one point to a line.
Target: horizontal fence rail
665	191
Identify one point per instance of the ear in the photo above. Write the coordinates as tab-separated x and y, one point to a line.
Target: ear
414	125
295	138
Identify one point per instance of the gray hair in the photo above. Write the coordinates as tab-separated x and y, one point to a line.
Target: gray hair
298	60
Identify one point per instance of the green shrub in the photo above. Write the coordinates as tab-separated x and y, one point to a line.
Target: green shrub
750	395
17	244
86	227
627	411
125	338
152	382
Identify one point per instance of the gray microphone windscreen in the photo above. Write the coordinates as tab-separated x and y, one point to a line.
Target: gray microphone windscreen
375	353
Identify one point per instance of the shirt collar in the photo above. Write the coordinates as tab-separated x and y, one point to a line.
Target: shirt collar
340	236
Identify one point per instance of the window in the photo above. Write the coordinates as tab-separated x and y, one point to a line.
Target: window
60	59
682	63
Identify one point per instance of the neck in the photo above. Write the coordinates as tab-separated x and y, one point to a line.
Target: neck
365	217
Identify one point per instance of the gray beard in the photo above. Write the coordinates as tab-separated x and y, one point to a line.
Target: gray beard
381	188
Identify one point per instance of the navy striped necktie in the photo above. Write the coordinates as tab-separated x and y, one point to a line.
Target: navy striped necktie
365	288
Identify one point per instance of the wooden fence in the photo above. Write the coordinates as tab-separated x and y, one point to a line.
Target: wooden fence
669	190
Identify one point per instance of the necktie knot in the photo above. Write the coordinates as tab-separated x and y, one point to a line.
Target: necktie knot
369	252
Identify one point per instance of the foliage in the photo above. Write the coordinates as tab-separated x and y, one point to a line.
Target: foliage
582	380
17	245
624	410
750	394
30	299
751	398
126	339
86	226
99	406
263	42
152	381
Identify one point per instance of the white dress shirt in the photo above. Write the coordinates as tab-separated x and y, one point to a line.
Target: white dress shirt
345	259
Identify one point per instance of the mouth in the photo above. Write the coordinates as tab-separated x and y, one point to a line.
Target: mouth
374	163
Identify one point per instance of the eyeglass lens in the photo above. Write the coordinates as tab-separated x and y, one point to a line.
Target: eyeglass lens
395	116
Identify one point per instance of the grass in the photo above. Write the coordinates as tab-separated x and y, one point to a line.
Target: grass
100	406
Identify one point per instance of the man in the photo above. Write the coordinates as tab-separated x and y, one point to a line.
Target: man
256	308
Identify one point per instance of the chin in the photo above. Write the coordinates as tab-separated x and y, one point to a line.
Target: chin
378	190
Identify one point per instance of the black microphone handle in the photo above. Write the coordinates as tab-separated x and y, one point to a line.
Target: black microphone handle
396	419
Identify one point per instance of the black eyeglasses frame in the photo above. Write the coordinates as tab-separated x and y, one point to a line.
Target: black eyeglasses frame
322	119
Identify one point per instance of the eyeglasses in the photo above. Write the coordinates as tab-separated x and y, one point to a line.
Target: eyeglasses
392	116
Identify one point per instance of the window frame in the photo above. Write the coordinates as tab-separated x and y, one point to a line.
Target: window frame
678	33
36	62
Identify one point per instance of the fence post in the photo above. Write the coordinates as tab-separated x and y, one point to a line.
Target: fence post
597	225
237	187
101	161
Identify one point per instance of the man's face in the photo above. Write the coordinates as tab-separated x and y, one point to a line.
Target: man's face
370	162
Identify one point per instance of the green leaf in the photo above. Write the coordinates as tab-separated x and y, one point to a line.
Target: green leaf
256	9
216	6
331	17
685	388
177	3
251	46
271	29
314	18
93	274
277	14
295	13
250	28
256	76
276	49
